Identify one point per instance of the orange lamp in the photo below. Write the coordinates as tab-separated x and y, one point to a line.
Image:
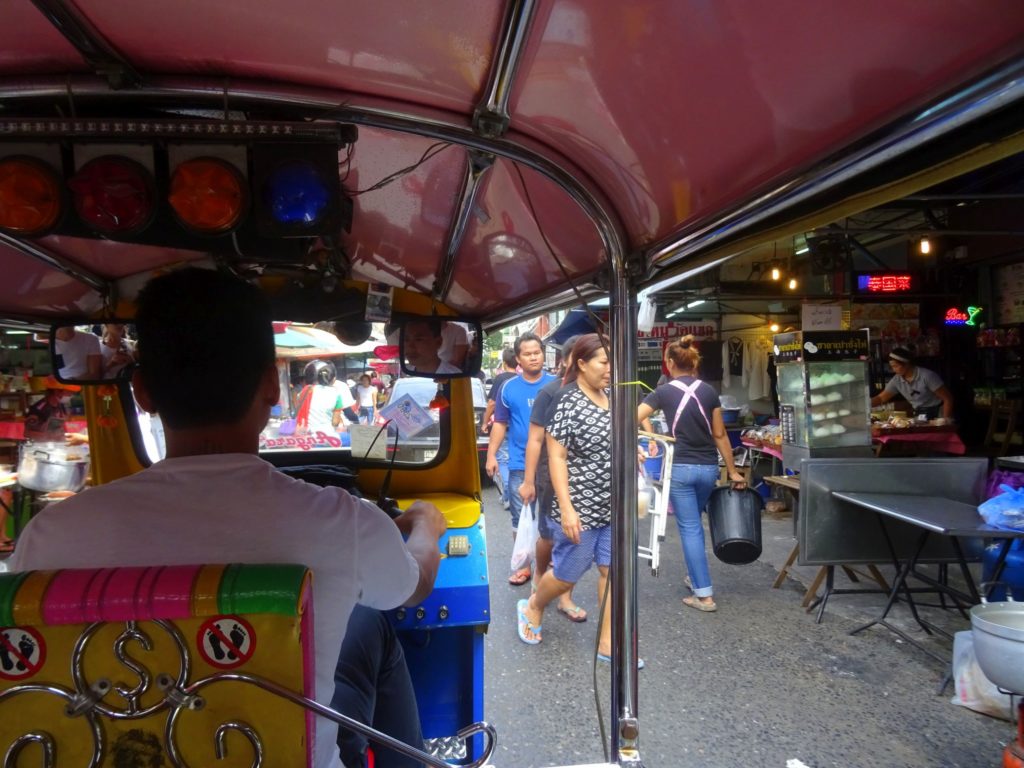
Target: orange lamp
208	195
30	196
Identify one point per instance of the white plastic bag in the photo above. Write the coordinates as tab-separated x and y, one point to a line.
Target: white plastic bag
646	315
525	547
973	689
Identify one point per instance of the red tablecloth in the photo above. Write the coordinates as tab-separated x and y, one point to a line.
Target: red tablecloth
946	442
15	430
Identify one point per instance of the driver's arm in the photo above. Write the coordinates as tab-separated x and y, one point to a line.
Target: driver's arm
424	525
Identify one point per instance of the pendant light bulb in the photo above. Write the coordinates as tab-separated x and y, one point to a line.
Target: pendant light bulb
776	273
793	284
924	246
774	327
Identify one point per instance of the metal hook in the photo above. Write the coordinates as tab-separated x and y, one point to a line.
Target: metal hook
36	737
245	730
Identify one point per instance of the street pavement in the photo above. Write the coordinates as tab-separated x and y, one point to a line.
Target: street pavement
758	683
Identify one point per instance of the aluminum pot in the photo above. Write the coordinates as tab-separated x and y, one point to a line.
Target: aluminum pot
998	630
51	467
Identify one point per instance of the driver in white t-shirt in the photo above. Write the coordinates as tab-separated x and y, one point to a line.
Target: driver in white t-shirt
214	500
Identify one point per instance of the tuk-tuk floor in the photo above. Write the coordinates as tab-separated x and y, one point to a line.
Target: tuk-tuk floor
756	683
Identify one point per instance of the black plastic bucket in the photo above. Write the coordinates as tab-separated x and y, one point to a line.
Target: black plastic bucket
734	518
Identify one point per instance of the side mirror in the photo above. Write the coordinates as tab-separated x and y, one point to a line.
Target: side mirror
439	347
86	353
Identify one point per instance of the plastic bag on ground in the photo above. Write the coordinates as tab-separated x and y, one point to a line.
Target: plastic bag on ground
523	551
973	689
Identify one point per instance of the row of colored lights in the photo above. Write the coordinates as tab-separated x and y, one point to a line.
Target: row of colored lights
117	196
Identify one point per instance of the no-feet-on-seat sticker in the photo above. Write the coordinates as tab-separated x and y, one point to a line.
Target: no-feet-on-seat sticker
22	652
226	641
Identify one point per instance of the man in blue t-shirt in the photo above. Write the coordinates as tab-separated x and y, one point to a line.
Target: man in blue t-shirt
512	420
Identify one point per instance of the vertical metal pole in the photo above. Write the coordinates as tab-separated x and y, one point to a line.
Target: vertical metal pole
625	730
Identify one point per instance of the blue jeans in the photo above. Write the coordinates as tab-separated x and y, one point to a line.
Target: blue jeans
515	501
366	414
691	487
501	455
372	685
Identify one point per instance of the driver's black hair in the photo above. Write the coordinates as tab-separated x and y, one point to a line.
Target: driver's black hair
205	339
432	324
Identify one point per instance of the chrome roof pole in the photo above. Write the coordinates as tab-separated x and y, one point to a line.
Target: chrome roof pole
623	314
478	163
491	117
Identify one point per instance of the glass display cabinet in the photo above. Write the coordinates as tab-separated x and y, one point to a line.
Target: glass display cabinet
824	404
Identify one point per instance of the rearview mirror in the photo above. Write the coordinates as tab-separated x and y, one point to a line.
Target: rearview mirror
84	353
439	348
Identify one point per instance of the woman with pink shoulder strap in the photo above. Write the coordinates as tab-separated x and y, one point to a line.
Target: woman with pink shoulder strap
694	412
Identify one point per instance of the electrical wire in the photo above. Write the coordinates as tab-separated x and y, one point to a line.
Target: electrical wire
430	152
599	324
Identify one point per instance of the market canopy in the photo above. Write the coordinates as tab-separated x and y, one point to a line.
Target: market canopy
301	342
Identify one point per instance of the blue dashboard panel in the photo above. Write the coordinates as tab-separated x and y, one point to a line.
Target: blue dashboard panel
461	597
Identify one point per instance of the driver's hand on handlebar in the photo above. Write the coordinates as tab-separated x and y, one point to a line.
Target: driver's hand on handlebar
422	513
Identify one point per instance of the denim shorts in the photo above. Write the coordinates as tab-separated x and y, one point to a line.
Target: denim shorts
571	561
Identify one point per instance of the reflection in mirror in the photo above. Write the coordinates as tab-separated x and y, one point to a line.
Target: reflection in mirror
439	348
92	353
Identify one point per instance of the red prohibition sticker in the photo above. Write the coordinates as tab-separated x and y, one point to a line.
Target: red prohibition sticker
22	652
226	641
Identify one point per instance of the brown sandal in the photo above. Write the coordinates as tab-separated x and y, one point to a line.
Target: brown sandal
695	602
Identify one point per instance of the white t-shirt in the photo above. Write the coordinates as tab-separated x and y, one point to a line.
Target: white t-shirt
76	353
324	402
345	393
367	395
452	335
235	508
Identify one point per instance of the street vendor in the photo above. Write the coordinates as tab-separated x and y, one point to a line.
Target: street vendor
45	419
920	387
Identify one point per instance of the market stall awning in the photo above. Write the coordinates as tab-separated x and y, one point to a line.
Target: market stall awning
575	322
299	342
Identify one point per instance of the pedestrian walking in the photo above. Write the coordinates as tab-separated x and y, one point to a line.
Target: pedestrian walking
508	371
694	411
537	479
512	425
579	459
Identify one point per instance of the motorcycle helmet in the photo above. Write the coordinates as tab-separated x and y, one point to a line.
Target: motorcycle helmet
320	372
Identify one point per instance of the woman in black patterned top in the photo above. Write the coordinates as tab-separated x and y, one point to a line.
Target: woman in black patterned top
579	458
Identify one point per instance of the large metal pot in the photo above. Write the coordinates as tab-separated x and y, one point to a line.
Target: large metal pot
52	467
998	630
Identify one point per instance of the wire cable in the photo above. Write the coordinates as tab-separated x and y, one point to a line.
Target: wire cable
432	151
599	324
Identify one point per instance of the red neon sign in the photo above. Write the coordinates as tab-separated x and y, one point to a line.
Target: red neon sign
888	283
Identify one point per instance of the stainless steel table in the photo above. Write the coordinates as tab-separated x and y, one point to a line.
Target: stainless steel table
933	515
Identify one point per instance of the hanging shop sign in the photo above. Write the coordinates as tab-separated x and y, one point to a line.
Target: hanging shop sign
671	330
955	316
884	282
810	346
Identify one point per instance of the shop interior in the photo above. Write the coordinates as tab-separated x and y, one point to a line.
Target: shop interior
939	272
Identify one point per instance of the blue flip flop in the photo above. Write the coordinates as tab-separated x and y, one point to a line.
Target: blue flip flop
640	664
524	623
